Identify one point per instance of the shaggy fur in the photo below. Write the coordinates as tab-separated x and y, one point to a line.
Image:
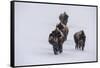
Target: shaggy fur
79	39
64	29
56	38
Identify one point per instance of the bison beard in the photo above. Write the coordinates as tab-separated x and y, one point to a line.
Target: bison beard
79	39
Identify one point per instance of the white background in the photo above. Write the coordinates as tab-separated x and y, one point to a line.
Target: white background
5	34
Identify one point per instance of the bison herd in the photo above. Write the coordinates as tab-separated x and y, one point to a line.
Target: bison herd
59	35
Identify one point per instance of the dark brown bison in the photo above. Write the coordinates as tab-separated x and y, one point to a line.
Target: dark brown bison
80	39
59	35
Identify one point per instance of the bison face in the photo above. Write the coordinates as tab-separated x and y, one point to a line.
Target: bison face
63	18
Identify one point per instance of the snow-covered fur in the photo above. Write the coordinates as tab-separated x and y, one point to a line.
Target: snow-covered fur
79	38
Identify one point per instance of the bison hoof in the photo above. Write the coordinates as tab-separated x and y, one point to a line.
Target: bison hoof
60	51
82	49
56	53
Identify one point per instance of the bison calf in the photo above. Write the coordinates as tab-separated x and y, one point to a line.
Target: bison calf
79	39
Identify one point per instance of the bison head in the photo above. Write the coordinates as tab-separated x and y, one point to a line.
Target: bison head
63	18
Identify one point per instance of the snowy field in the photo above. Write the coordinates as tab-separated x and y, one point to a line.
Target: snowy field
34	23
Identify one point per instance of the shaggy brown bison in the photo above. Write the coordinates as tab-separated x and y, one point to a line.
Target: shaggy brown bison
79	39
59	35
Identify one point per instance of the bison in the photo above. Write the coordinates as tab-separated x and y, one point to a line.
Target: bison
80	38
59	35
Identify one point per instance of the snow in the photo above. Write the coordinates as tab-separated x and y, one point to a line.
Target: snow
34	23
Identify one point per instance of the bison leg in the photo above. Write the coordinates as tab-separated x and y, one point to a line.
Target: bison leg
76	42
76	46
80	45
60	48
83	46
55	49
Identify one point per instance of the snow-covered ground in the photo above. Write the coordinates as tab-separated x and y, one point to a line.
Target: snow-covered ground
33	24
